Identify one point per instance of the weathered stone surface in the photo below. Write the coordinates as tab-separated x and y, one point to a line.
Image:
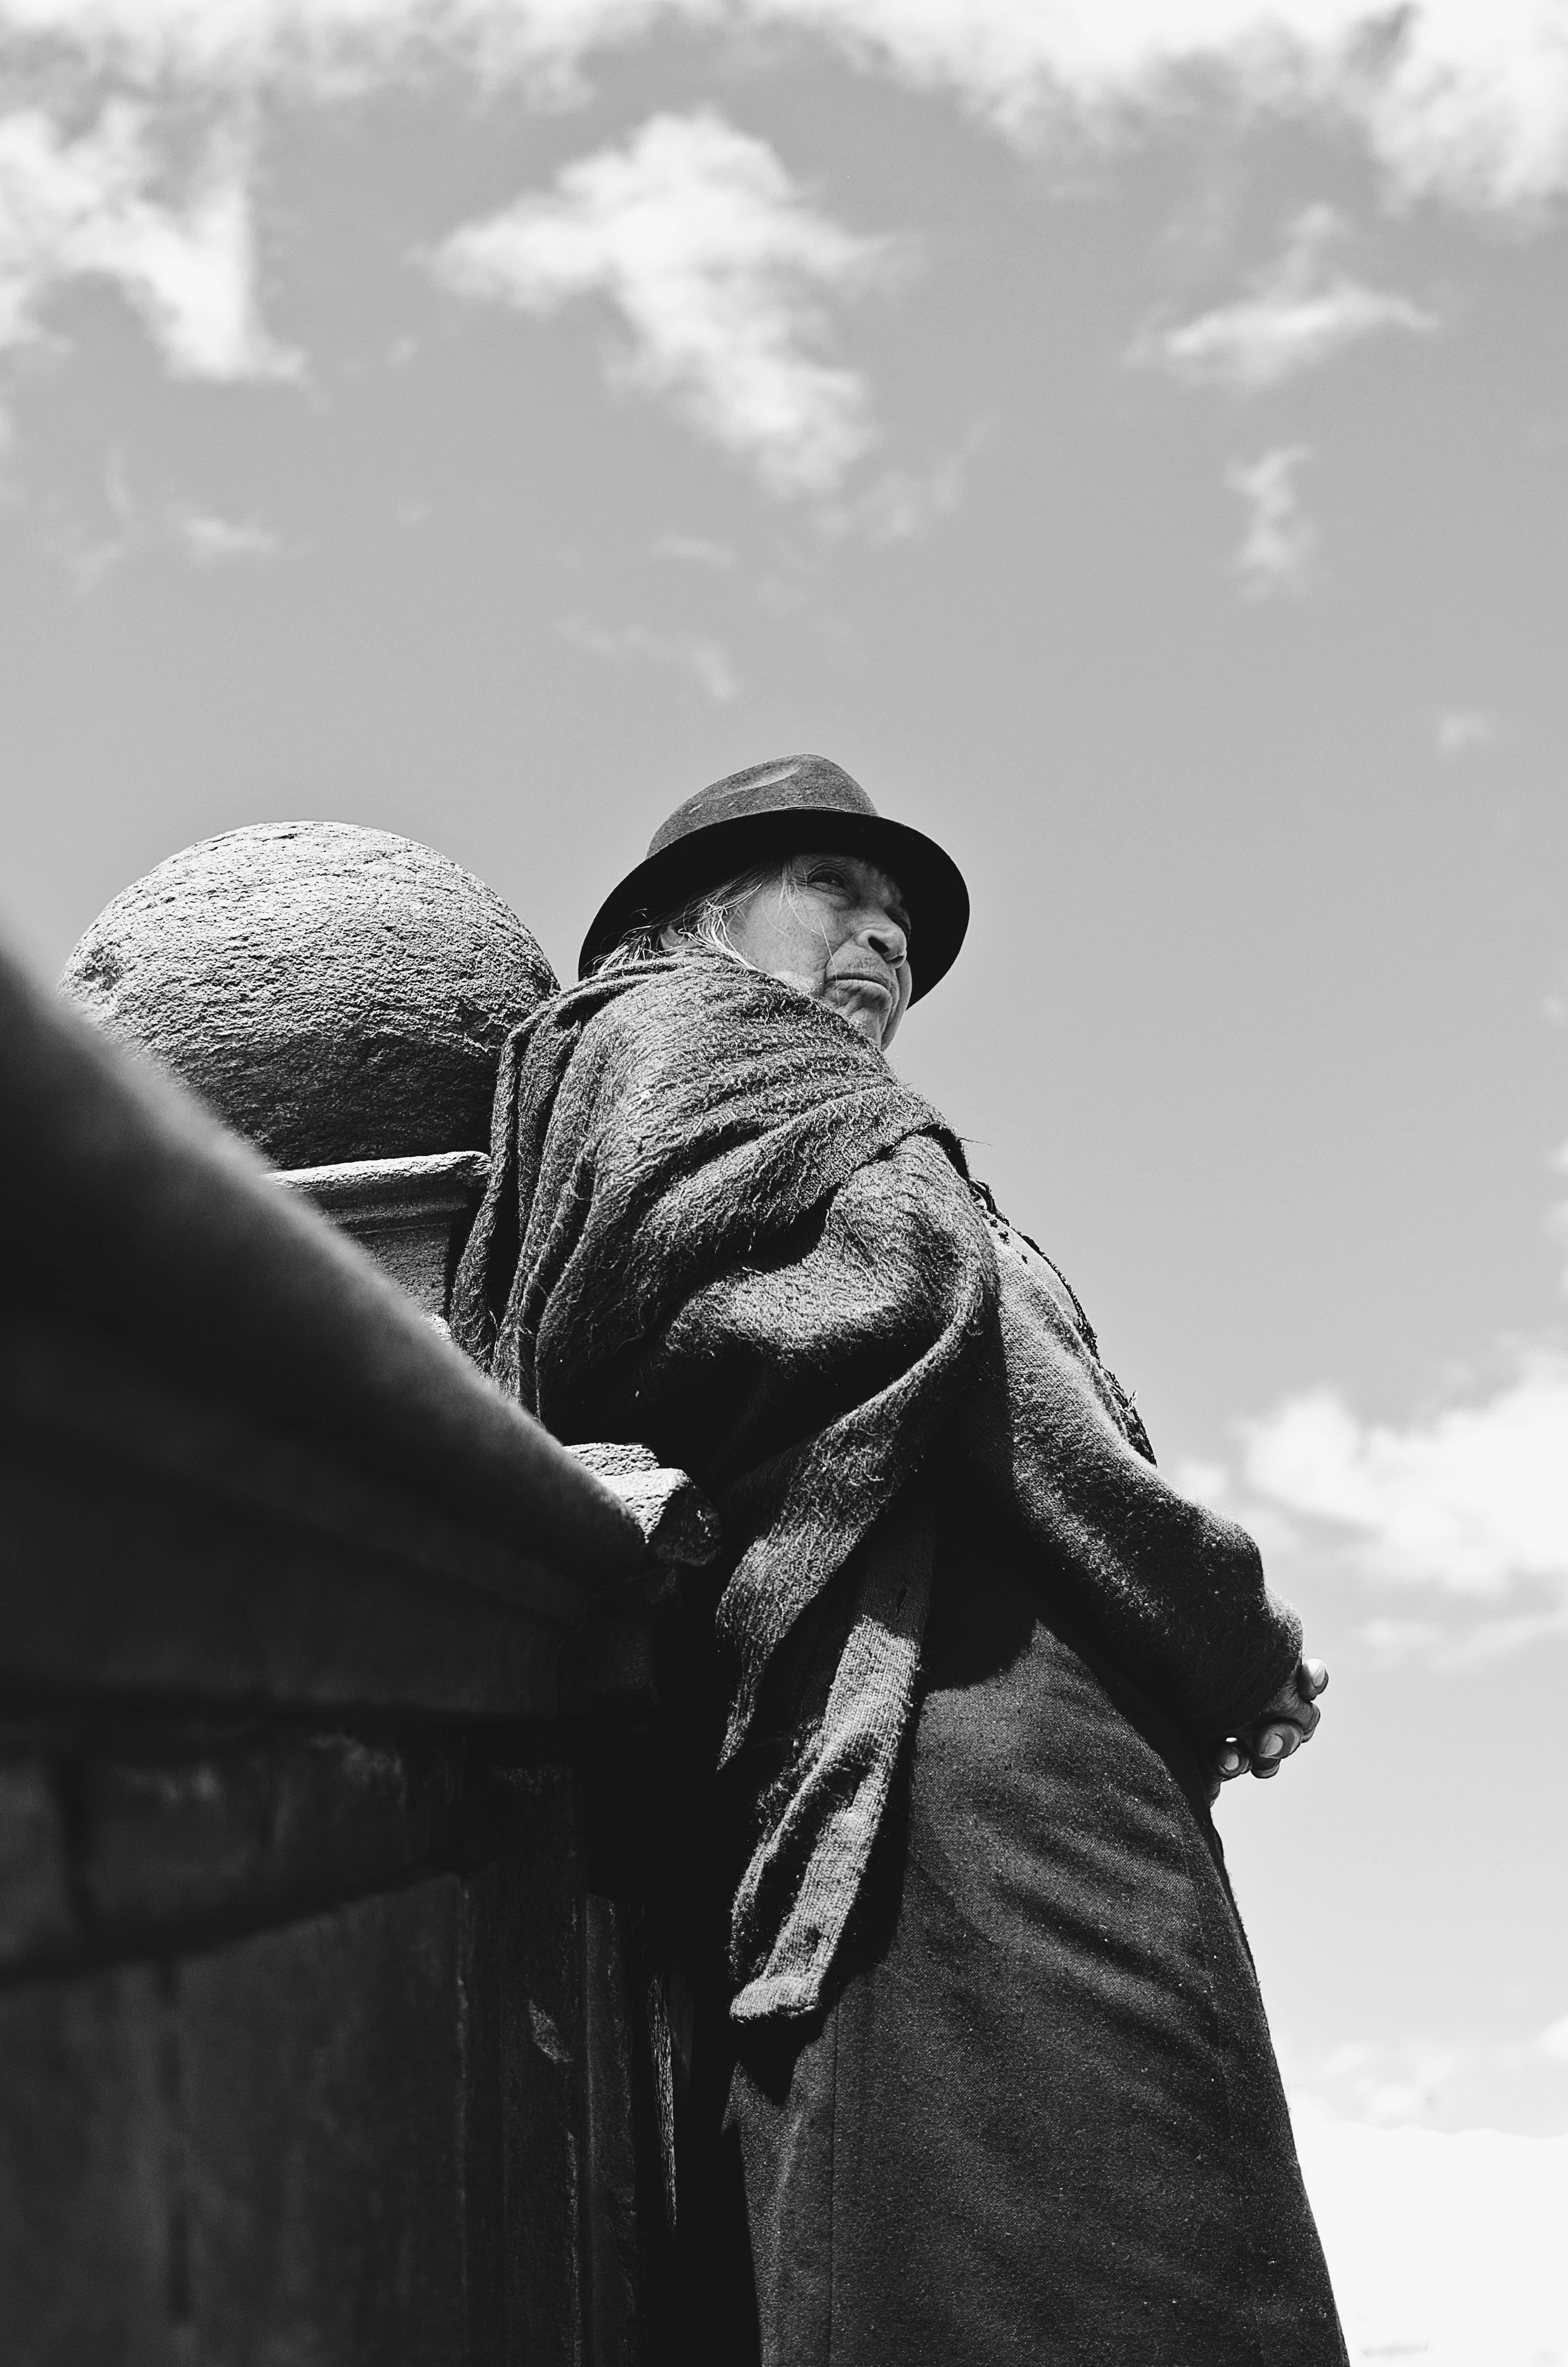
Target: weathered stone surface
333	992
677	1520
281	1576
624	2180
167	1591
133	1215
171	1849
91	2217
538	1964
323	2090
36	1913
412	1215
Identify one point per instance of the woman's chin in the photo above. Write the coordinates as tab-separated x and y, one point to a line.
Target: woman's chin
871	1024
867	1015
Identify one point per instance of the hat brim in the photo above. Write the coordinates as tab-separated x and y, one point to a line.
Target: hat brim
931	883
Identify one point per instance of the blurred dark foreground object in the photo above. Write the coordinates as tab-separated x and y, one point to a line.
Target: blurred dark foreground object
320	2037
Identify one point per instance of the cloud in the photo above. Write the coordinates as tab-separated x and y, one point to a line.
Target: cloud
707	661
1455	1648
1463	728
83	209
1420	2081
714	260
1468	102
898	504
1279	540
1446	2247
695	550
90	553
1298	316
88	558
1448	99
1470	1504
210	540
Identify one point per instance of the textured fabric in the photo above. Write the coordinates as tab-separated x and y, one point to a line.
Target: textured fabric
1039	2120
716	1223
1171	1592
718	1227
834	1797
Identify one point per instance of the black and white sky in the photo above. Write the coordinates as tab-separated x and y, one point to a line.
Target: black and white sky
1132	436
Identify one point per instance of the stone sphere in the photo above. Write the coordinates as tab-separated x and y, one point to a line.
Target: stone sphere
332	992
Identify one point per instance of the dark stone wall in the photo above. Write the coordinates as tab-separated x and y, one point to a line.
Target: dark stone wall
317	2046
244	2126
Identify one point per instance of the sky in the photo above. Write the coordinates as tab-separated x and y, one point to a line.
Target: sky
1133	437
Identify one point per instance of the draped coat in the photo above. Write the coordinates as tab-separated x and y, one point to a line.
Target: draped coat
961	1623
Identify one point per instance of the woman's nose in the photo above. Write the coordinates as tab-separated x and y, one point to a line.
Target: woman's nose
885	937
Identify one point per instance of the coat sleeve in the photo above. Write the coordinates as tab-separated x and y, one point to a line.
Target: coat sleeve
1171	1592
838	1321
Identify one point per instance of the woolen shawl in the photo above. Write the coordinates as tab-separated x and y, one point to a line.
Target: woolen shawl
701	1177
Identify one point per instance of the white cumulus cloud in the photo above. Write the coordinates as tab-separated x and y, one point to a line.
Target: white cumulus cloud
1278	539
1470	1501
1297	314
1470	1504
716	263
1447	96
1408	2082
86	208
210	538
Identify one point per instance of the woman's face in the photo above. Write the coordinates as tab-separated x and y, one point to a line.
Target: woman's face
835	927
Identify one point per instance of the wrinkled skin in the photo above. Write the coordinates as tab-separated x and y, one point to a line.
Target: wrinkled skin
1277	1733
835	927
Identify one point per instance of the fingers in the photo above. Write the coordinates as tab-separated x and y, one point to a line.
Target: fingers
1312	1679
1264	1747
1272	1745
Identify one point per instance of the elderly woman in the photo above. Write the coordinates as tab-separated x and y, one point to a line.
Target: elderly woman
974	2067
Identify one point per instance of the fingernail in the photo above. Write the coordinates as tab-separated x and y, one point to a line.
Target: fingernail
1271	1747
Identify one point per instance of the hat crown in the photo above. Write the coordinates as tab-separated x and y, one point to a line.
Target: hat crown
792	806
788	785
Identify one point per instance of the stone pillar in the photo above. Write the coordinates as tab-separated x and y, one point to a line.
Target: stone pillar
314	2040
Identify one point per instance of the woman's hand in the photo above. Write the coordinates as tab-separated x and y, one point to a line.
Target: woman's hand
1280	1727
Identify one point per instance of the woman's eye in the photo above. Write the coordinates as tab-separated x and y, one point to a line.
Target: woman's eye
826	875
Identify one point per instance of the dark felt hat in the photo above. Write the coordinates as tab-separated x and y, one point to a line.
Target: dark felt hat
793	806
